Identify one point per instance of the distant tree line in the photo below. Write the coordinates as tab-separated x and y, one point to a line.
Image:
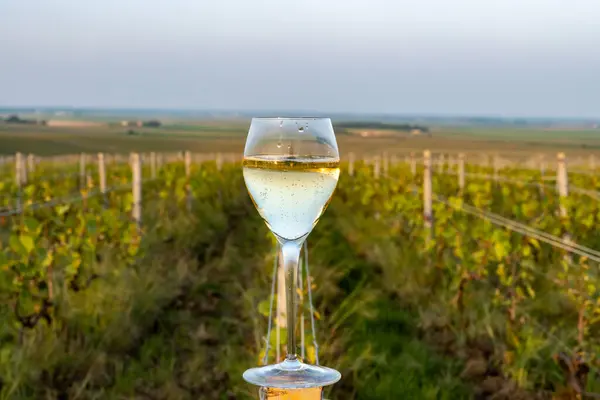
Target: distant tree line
15	119
153	123
379	126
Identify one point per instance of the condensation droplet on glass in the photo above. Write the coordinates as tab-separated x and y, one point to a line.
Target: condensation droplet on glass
301	129
279	145
281	124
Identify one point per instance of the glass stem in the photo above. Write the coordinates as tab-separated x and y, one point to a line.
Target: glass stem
291	257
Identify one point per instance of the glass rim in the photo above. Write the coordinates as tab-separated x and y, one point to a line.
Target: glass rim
291	118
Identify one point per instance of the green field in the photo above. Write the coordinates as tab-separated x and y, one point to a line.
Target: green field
228	136
59	140
530	137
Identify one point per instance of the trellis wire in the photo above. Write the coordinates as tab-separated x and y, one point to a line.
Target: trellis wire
500	178
517	230
532	229
591	193
565	244
525	230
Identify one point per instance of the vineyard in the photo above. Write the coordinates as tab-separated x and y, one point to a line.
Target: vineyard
433	277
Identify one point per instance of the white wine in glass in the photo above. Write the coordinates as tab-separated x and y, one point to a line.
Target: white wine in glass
291	193
291	169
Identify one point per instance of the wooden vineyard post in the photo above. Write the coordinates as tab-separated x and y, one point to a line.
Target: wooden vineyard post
19	178
188	186
351	164
82	171
427	194
441	164
23	169
153	165
291	394
102	175
187	159
376	167
461	172
562	182
386	164
413	164
136	171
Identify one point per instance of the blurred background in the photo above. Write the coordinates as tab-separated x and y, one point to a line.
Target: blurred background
131	263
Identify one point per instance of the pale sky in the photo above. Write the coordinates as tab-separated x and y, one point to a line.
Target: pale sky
468	57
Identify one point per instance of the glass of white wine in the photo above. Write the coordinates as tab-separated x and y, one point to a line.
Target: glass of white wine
291	168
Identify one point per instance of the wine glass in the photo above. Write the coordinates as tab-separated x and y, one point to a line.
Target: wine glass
291	168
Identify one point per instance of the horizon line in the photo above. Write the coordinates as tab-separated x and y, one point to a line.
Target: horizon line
433	115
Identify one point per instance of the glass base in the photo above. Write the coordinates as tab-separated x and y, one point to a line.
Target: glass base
292	374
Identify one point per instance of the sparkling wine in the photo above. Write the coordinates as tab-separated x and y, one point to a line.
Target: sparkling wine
291	193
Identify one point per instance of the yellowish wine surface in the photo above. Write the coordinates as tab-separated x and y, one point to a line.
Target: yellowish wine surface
291	193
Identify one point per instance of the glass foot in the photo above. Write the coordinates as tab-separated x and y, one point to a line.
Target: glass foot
292	374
